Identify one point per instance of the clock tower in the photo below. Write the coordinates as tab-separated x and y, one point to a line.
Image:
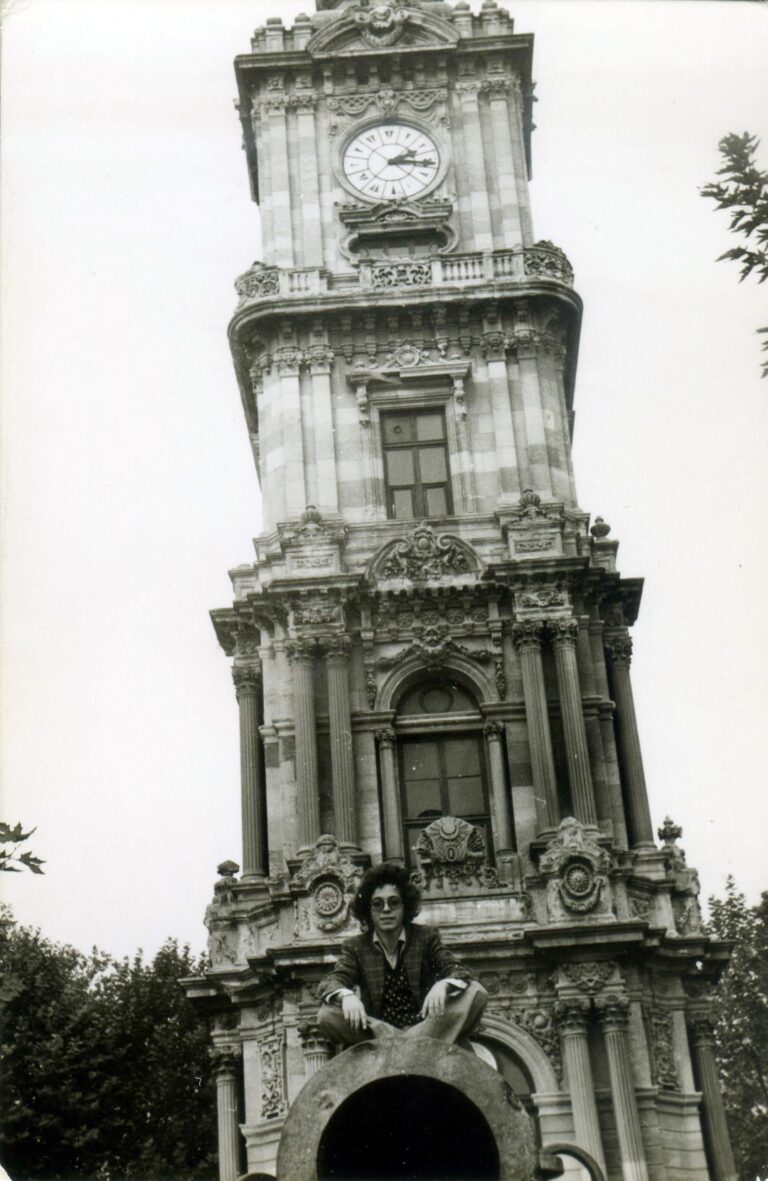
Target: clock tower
431	646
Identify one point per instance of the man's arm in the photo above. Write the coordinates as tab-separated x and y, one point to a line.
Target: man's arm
344	976
444	964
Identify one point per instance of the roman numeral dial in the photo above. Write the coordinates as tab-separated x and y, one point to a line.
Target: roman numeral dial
389	161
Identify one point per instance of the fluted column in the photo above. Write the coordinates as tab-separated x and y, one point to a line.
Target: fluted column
227	1067
390	797
619	652
613	1012
527	637
564	633
571	1017
718	1138
247	680
603	806
502	812
302	657
317	1050
342	764
611	761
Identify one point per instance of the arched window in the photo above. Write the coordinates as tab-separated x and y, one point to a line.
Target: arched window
441	760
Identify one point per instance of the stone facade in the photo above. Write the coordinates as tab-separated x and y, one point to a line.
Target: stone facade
450	689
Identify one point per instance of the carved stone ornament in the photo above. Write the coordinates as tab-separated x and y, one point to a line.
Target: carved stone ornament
401	274
663	1050
575	868
591	976
330	879
539	598
540	1024
271	1058
530	505
548	261
382	25
257	282
423	555
451	852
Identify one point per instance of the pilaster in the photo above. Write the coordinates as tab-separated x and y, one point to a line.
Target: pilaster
390	797
247	680
528	637
619	652
564	633
344	811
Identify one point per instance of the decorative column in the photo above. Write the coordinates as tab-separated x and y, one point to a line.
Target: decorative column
301	654
494	345
247	680
468	90
288	360
339	716
320	357
390	797
613	1011
497	88
619	652
611	761
718	1139
592	723
305	100
227	1067
277	132
316	1049
564	633
502	813
571	1015
527	638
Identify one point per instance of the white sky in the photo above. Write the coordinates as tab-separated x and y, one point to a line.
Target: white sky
128	487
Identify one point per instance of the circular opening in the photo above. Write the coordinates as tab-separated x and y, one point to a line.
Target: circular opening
407	1128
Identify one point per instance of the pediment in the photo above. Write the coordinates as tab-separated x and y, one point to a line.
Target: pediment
361	29
423	556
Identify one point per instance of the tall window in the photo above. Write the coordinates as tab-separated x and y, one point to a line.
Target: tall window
441	773
416	464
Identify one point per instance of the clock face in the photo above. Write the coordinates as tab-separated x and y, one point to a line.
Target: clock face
390	161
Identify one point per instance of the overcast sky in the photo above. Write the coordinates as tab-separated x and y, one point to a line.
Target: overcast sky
128	485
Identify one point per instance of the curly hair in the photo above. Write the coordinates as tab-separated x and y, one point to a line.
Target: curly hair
386	874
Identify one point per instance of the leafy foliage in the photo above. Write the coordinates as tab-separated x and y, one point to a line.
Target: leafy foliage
744	190
11	859
741	1027
105	1067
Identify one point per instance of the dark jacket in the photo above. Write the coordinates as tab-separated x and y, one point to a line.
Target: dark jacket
361	965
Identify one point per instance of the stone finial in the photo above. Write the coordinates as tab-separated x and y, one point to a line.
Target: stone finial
600	529
227	869
669	831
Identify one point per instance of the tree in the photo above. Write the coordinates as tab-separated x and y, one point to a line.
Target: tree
744	190
741	1027
105	1066
11	859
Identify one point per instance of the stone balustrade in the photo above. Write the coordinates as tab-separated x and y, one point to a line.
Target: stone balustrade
520	266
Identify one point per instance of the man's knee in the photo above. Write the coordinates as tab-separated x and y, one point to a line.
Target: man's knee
329	1018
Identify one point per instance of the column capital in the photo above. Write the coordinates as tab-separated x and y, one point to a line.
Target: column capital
319	358
563	632
701	1026
613	1011
225	1059
302	649
571	1015
493	731
619	651
247	678
386	737
312	1040
528	635
337	646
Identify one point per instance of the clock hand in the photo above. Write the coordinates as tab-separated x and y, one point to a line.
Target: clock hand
409	158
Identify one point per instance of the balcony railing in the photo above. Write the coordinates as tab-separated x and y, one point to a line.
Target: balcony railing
542	261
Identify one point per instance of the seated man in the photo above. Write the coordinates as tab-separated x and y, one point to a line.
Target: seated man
405	977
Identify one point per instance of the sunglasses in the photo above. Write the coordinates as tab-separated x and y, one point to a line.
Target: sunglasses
380	904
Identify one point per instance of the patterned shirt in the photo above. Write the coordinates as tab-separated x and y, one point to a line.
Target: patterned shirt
398	1004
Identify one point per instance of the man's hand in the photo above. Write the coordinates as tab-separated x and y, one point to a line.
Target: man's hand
434	1001
354	1012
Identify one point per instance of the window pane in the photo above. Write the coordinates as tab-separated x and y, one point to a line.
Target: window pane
399	467
423	799
437	502
465	796
462	756
432	465
398	428
402	504
429	426
420	761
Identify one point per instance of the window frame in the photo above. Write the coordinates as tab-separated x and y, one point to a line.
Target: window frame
418	488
